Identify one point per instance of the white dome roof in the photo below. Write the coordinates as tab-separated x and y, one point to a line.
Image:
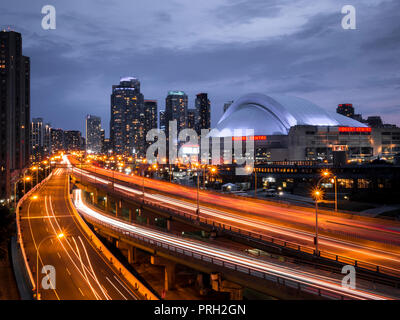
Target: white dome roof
274	115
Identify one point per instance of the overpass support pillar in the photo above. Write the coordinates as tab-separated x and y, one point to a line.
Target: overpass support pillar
132	215
217	284
118	208
169	271
95	196
132	255
128	250
108	204
169	221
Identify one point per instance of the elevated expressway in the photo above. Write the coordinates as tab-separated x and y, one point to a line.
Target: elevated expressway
235	266
373	244
261	274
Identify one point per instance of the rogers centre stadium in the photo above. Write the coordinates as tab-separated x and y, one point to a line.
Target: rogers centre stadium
288	128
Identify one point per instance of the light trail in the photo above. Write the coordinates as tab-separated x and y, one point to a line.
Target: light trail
298	276
254	223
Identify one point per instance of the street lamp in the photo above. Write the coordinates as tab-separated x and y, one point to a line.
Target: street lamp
37	173
143	172
15	193
317	196
327	174
58	236
317	193
213	170
26	179
198	190
249	169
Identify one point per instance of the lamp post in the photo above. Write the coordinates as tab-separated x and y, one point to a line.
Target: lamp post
317	195
249	168
213	170
335	181
59	236
198	190
204	177
15	193
26	179
327	174
37	173
143	172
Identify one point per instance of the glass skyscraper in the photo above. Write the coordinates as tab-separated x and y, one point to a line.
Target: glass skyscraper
127	118
93	134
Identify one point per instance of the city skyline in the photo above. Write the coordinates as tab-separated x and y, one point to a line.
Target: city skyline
276	37
212	152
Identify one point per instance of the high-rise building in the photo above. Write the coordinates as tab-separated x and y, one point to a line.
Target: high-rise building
93	134
203	112
162	120
176	105
14	110
346	109
73	140
37	139
40	140
127	118
150	118
47	139
107	147
103	138
57	140
150	115
227	105
191	119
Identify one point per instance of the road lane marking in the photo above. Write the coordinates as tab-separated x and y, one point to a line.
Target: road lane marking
36	248
89	240
54	229
91	267
69	273
116	288
129	291
81	291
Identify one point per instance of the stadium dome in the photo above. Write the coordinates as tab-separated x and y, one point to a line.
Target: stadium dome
274	115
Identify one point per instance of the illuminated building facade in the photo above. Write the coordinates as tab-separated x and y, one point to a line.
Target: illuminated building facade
73	140
176	106
203	112
14	110
294	129
38	148
162	120
127	118
93	134
57	140
150	119
191	119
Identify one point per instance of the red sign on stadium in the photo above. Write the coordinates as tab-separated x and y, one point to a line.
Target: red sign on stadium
354	129
255	138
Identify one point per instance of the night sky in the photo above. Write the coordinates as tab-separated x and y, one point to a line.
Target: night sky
224	47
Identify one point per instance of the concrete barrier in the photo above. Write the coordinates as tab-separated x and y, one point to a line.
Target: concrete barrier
19	235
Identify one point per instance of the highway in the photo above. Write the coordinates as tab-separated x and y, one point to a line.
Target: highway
374	241
308	280
82	273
